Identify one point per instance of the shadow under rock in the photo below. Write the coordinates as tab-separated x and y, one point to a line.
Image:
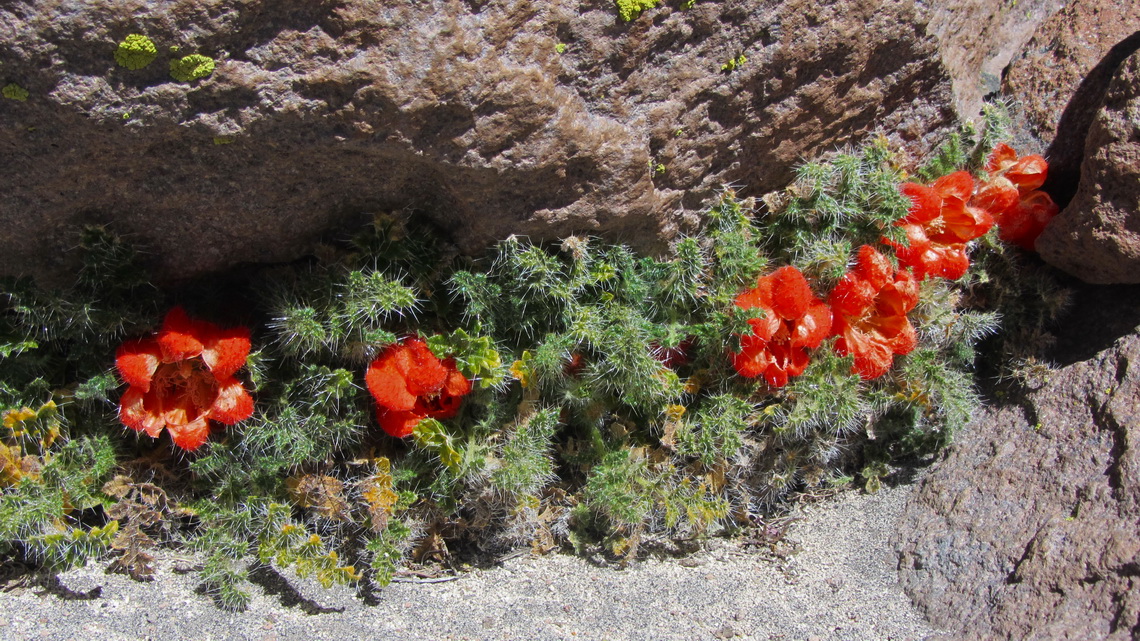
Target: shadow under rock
1098	317
1067	150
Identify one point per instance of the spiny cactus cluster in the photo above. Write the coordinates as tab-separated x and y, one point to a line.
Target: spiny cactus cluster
389	404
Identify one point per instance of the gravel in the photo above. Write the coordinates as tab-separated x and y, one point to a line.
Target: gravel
832	577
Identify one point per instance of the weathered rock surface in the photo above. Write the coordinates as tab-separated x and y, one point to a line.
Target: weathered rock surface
979	38
466	111
1059	81
1097	236
1028	529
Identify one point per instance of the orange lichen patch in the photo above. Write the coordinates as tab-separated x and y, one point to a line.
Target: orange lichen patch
410	383
941	220
183	378
794	322
870	304
1011	193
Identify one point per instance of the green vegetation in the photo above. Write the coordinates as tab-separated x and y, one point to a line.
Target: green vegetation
630	9
590	396
192	67
135	52
13	91
734	63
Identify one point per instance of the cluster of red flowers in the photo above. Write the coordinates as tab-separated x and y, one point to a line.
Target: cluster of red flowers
410	384
943	217
1011	192
868	308
794	321
183	378
941	220
870	304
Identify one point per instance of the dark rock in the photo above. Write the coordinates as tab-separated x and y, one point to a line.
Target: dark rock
1059	80
1097	236
321	111
1028	528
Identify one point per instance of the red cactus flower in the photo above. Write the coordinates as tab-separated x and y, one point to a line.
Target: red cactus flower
870	304
574	366
1011	192
794	322
940	222
183	378
672	357
410	384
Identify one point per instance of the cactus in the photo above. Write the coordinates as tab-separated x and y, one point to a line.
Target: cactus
410	402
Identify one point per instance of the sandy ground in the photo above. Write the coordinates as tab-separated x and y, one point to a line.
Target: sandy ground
834	578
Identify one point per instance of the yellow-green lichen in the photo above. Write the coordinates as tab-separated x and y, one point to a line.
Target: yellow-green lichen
630	9
192	67
135	51
734	63
15	92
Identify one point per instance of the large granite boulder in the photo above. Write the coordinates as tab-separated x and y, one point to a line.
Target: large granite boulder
489	117
1029	528
1097	236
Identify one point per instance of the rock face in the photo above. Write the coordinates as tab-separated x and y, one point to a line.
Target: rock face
1097	237
980	37
1029	528
489	117
1060	78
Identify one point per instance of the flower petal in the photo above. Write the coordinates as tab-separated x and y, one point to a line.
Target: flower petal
958	186
852	295
180	337
135	414
873	267
751	298
1023	223
813	327
396	423
456	383
753	358
1001	158
425	373
791	294
225	351
904	339
192	435
1028	173
872	355
385	380
899	297
137	361
232	404
925	203
180	410
996	195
